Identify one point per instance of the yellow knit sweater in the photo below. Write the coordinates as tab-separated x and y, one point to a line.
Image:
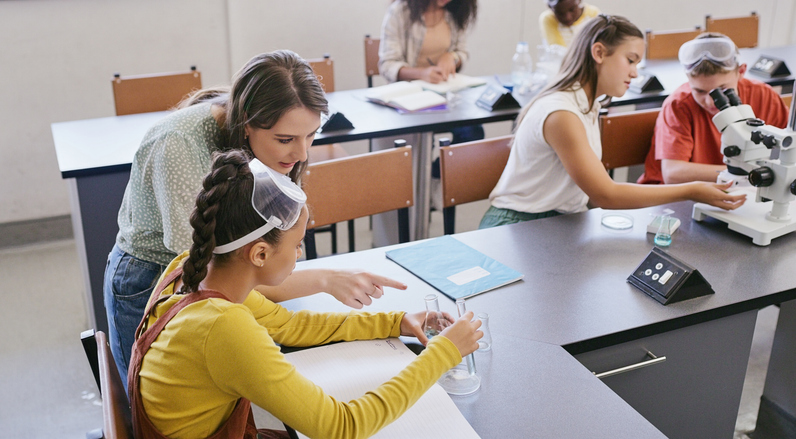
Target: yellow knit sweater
214	352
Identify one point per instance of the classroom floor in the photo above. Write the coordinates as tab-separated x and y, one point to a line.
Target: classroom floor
47	387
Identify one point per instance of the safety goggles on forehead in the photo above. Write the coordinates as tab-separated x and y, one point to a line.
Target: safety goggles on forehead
276	198
719	51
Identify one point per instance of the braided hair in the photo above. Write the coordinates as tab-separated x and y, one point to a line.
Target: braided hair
223	214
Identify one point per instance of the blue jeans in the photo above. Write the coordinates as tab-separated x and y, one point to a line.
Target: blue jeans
128	283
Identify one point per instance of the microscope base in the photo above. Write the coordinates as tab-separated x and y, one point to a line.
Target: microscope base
750	220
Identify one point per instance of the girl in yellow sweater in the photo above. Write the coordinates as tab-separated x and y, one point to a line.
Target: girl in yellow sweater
207	345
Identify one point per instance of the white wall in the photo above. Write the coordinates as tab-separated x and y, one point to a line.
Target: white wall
57	57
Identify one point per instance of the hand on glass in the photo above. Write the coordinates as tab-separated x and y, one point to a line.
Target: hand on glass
413	324
464	333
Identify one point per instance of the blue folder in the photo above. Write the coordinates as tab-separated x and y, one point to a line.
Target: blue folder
454	268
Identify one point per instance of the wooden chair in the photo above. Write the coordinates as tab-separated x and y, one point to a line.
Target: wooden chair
743	31
787	99
666	45
116	413
469	171
371	58
626	137
156	92
358	186
324	70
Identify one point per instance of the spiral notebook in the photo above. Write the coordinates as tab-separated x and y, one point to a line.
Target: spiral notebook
453	267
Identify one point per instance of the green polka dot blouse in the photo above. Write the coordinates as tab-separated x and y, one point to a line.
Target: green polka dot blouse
165	178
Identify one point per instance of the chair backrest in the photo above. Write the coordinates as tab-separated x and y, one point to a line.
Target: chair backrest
469	171
357	186
371	58
156	92
665	45
787	99
116	414
743	31
324	70
626	137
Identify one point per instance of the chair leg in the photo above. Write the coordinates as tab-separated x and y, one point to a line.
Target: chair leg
88	338
449	220
333	230
309	244
403	225
351	246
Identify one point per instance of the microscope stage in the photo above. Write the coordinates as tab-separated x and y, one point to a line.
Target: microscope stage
749	219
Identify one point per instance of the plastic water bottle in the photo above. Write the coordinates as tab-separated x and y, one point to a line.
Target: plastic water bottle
521	67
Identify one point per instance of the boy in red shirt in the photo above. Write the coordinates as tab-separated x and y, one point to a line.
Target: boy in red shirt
686	146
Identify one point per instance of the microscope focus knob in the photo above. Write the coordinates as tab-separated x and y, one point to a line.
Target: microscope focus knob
793	187
756	137
732	151
761	177
769	141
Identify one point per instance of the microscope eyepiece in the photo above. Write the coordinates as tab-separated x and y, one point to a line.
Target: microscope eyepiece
733	97
719	99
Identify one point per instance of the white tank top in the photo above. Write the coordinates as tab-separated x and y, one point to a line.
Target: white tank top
534	179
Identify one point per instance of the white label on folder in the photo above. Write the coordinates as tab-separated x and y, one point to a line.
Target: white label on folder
468	275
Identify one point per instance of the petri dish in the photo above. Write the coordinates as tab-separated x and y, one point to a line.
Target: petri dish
617	221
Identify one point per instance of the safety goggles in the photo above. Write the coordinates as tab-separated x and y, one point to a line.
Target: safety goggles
276	198
720	51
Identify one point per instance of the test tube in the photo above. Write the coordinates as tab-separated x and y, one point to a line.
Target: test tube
470	358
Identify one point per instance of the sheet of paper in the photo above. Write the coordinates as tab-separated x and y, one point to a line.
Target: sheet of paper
349	370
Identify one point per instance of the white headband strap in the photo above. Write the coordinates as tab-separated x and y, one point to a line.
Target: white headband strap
240	242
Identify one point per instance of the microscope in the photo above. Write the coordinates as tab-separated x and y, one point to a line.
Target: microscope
763	155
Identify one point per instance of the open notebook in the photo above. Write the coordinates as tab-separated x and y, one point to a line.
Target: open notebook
405	96
453	84
348	370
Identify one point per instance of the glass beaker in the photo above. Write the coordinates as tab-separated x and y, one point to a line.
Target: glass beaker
435	322
459	381
485	343
663	238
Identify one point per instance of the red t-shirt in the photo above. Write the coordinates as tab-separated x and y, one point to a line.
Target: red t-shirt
685	131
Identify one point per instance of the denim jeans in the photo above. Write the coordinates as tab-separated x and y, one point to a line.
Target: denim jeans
128	283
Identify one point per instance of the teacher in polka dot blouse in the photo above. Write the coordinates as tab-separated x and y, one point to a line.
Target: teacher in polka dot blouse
272	110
